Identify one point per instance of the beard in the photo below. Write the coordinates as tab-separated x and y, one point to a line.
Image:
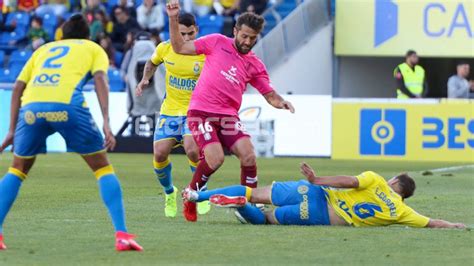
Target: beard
243	49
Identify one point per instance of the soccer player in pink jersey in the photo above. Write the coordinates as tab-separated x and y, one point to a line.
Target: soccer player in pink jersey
213	112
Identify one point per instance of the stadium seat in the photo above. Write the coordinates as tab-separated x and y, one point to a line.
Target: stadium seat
21	19
138	3
270	23
118	58
285	8
2	58
49	20
115	80
14	36
6	76
19	57
210	24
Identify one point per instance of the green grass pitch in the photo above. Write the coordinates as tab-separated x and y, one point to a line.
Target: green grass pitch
59	219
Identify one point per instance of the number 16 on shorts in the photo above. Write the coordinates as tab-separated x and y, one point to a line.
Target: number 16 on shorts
205	129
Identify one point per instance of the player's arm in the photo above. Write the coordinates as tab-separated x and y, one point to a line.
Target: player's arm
178	43
148	73
330	181
437	223
18	90
275	100
102	90
401	84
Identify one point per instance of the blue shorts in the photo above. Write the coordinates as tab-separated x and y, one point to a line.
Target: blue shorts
299	203
171	127
37	121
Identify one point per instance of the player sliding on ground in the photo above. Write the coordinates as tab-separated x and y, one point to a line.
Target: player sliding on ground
49	90
182	73
213	111
363	200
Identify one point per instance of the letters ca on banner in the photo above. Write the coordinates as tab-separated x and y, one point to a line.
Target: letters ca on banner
411	132
441	28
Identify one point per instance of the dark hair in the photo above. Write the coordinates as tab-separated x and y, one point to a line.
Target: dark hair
462	62
38	20
407	185
123	9
252	20
410	53
76	27
187	19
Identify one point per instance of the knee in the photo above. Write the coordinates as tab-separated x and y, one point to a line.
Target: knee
192	153
215	161
248	159
160	156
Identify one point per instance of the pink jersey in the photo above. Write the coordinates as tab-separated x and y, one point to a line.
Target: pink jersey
225	76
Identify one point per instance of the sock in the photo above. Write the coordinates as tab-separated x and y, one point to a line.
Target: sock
231	191
163	173
111	193
201	176
248	176
9	187
252	214
192	165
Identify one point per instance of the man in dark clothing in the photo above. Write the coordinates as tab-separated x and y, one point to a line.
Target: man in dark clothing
124	24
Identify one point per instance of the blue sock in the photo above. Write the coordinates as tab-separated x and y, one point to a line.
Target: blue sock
252	214
111	193
163	173
9	187
228	191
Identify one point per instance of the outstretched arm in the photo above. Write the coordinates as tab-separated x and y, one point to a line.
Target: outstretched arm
330	181
436	223
275	100
18	89
178	43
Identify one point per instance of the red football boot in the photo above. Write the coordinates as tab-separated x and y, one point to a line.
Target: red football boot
2	245
227	201
125	241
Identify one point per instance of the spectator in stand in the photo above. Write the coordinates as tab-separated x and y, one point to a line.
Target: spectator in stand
106	43
37	36
122	27
458	86
92	7
27	5
226	7
56	7
101	24
151	16
199	7
155	37
127	5
253	6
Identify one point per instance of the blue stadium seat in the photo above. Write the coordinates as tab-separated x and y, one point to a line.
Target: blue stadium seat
14	36
2	58
118	58
115	80
16	68
6	76
20	57
21	18
285	8
138	3
49	20
270	23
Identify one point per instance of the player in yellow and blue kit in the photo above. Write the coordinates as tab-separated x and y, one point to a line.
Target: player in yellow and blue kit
182	73
363	200
49	90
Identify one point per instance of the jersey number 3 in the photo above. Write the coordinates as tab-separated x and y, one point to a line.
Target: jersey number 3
50	62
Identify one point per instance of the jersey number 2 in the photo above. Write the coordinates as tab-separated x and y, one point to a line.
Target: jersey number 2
49	63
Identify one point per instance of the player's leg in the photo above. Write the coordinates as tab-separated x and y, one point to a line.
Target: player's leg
192	151
111	194
10	186
83	137
163	170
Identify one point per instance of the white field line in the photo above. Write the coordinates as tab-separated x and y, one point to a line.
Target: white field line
452	168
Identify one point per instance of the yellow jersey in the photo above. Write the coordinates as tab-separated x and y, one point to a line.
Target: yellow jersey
182	73
373	203
57	71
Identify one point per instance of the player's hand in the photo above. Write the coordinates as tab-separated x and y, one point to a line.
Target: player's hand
288	106
141	86
7	141
307	171
459	225
110	141
172	8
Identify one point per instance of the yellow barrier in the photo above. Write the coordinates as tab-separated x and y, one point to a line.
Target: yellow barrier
438	28
404	131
